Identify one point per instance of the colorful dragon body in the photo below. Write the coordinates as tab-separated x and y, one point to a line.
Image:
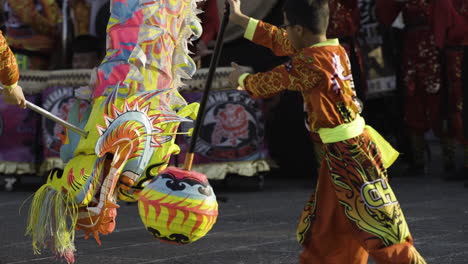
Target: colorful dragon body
132	123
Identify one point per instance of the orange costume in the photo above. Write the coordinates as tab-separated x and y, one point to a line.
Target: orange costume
32	30
344	24
353	212
9	73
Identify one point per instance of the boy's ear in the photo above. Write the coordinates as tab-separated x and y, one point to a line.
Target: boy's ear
299	29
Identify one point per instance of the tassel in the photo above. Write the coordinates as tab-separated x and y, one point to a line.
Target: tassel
52	220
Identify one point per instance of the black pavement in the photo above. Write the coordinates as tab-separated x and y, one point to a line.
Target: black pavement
255	227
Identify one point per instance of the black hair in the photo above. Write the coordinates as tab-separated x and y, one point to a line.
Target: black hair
311	14
86	43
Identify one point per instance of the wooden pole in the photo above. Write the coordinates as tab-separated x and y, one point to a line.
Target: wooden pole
209	80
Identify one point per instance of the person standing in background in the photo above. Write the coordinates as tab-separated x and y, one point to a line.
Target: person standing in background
33	30
86	52
421	78
450	24
81	14
210	23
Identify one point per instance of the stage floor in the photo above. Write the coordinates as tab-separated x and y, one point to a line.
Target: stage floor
254	227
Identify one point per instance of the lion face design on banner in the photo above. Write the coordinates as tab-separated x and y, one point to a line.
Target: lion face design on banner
232	125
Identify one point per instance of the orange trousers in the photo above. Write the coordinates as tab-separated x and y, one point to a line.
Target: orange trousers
353	212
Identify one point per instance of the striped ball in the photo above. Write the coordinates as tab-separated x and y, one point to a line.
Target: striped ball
178	206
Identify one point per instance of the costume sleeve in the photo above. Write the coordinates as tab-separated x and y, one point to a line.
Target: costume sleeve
269	36
9	73
210	21
283	77
26	11
386	11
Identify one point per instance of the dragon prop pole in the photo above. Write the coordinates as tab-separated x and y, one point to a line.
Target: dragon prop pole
209	81
179	206
187	196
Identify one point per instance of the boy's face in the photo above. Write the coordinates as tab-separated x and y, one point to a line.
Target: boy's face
84	60
294	33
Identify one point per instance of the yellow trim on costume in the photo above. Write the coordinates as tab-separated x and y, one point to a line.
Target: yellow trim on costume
251	28
343	131
354	129
389	154
11	86
242	79
329	42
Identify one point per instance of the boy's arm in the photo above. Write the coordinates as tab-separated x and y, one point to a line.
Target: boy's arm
260	32
269	36
266	84
9	75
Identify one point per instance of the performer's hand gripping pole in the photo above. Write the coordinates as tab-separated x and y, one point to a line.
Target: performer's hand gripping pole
201	112
54	118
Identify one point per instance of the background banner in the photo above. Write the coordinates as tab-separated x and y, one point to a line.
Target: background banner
231	140
372	40
233	128
19	148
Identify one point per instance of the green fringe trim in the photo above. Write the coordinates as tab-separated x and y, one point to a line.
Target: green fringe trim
52	220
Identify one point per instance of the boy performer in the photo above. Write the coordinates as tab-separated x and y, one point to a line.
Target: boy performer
353	212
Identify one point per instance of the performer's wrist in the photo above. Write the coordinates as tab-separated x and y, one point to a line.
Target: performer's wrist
251	28
10	87
241	20
241	80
